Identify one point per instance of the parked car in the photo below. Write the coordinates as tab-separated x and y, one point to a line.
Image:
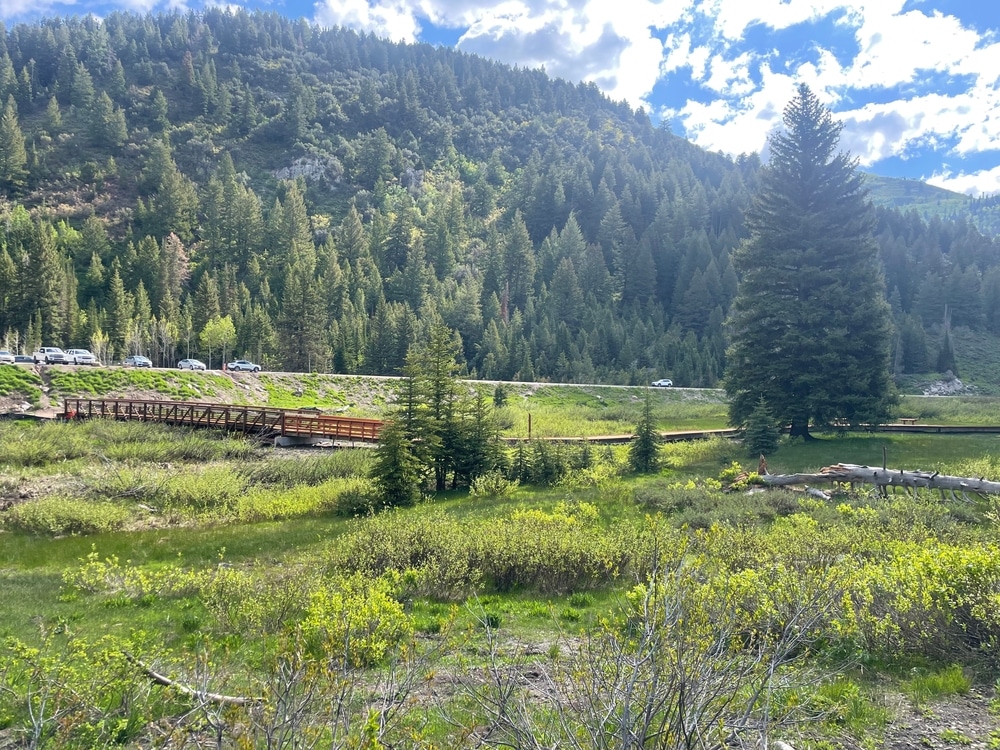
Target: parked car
663	383
81	357
191	364
6	358
20	359
137	360
244	365
51	355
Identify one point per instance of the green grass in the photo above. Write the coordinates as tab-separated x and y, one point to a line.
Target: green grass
174	385
298	391
901	450
20	381
269	557
930	685
568	411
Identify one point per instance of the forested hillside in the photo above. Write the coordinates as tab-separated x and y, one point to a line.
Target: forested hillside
224	183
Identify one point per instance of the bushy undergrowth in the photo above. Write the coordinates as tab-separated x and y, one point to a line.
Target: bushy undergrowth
311	469
55	517
567	549
40	444
657	581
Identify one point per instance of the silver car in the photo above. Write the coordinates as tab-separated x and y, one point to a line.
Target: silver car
6	358
191	364
243	365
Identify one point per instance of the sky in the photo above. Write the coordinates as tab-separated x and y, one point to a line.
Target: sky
916	83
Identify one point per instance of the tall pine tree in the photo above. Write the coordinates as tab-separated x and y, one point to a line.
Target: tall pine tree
810	324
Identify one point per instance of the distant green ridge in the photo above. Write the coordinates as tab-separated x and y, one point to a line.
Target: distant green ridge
931	202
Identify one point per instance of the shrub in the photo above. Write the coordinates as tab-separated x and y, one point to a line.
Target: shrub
492	485
253	601
355	620
58	516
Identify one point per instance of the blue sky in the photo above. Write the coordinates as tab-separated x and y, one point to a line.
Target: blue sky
915	82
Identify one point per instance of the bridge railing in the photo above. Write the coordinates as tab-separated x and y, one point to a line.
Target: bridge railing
257	420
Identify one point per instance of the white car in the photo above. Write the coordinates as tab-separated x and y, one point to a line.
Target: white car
6	358
244	365
51	355
663	383
81	357
191	364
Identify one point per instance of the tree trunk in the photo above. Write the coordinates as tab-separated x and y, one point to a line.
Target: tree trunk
885	478
800	428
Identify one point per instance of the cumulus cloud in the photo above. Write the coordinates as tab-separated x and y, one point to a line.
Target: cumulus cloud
393	20
983	182
18	8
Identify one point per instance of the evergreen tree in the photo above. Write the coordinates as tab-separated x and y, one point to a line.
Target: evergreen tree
107	123
13	155
119	309
643	451
762	431
810	324
301	325
396	469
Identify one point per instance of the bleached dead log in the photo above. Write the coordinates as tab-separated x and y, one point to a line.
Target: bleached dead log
200	695
885	478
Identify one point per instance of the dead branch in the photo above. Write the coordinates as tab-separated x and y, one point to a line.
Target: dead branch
201	695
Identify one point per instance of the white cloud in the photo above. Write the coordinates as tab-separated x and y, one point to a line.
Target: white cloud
731	18
983	182
16	8
896	46
394	20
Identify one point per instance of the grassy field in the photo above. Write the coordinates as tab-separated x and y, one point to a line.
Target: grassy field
252	571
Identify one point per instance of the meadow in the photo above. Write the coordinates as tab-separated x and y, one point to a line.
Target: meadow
579	612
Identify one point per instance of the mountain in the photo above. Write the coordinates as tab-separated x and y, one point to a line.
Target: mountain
932	202
228	183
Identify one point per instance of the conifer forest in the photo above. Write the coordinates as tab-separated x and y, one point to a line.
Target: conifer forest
222	183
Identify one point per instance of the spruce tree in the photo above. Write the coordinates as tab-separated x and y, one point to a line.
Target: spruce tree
810	326
13	155
643	451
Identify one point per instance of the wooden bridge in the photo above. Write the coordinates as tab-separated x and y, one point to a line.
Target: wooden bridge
285	426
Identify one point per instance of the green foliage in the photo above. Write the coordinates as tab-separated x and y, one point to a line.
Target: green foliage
18	381
492	485
57	516
529	550
761	431
355	620
809	336
849	706
928	686
643	453
396	471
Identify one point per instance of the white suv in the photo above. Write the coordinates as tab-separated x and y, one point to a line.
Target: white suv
51	355
81	357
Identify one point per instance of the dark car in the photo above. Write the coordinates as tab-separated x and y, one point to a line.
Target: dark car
137	360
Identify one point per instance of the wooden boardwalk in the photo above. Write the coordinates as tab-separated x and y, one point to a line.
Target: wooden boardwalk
258	421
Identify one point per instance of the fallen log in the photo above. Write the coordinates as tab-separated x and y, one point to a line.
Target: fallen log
885	478
200	695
